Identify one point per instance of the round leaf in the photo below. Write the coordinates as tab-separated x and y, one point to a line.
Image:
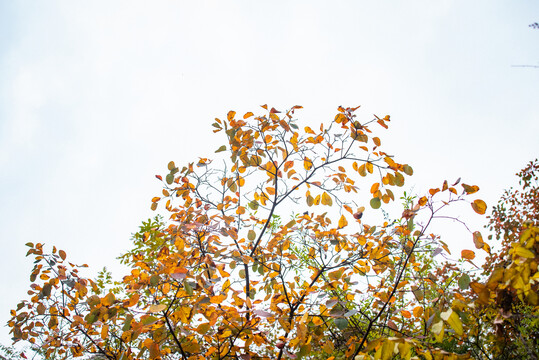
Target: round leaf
375	203
479	206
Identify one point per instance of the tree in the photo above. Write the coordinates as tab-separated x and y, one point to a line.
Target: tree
239	270
506	302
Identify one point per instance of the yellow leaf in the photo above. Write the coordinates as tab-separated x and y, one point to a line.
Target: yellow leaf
108	300
104	332
438	327
326	199
479	206
452	318
387	349
307	164
248	115
157	308
369	167
523	252
230	115
342	222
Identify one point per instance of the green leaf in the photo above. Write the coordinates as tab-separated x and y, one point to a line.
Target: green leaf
253	205
341	323
170	179
464	281
127	323
375	203
222	148
171	165
188	288
149	320
408	170
251	235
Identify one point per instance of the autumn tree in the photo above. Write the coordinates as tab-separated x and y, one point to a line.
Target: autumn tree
236	268
505	305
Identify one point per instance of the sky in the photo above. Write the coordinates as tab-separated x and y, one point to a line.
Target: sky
97	97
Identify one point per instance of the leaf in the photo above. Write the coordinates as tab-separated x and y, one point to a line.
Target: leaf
248	115
157	308
375	203
341	323
262	313
469	189
148	320
108	300
171	165
408	170
467	254
104	332
452	318
251	235
523	252
62	254
179	274
170	179
46	291
290	223
478	240
253	205
221	148
464	282
326	199
230	115
406	314
342	222
479	206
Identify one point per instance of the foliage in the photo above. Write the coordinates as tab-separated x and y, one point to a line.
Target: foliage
515	208
240	271
507	303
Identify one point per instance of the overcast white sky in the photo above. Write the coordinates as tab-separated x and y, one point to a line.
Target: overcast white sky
96	97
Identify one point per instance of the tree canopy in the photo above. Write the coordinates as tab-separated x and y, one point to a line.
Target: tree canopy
265	253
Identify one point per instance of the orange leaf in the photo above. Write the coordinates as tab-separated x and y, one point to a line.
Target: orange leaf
406	314
230	115
445	186
467	254
479	206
